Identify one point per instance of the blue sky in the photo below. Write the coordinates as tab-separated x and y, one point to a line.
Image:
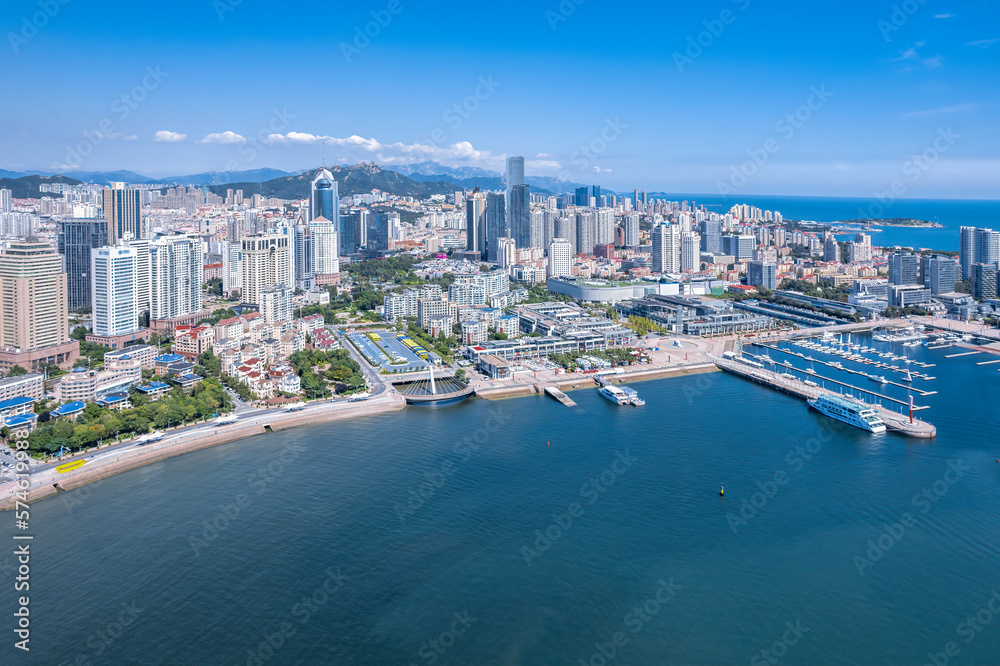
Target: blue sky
606	93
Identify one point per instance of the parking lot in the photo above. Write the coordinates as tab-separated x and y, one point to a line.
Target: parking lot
389	354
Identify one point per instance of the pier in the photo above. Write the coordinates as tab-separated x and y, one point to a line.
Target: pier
894	421
560	396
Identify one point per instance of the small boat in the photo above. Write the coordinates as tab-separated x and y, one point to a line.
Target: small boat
878	378
809	382
908	378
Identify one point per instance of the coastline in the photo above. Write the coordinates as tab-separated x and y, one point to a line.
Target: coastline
51	482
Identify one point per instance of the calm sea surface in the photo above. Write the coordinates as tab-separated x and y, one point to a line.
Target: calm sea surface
525	532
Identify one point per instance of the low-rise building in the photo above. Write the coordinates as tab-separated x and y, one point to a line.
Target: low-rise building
31	385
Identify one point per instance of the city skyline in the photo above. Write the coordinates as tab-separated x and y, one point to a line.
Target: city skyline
696	99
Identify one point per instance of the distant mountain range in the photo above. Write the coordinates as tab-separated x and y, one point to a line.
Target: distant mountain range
26	187
421	179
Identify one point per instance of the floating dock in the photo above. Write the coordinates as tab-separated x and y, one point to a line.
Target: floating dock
894	421
560	396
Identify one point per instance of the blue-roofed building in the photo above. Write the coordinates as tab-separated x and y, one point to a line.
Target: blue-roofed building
162	363
115	401
154	389
17	406
188	380
22	424
70	409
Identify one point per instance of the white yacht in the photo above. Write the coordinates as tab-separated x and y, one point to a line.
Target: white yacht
848	411
614	394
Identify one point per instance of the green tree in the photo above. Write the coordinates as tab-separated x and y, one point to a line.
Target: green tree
17	371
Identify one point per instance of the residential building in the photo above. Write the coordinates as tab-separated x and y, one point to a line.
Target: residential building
77	237
123	210
265	263
560	258
666	248
176	272
114	290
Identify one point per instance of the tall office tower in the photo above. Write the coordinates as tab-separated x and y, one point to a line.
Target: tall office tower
515	177
265	263
323	198
123	210
690	251
630	224
519	213
549	227
941	274
496	225
325	254
966	249
33	310
345	240
666	248
645	202
566	228
176	272
987	246
5	201
475	222
635	198
711	236
904	268
582	197
763	274
113	292
232	267
595	192
141	246
536	228
276	303
560	258
739	246
605	226
379	233
984	281
305	275
77	237
831	248
586	232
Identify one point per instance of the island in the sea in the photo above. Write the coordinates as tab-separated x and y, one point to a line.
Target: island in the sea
894	222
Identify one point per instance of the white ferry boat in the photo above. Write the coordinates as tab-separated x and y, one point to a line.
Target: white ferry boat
633	396
848	411
614	394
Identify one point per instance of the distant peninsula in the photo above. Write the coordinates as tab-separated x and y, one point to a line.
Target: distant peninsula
894	222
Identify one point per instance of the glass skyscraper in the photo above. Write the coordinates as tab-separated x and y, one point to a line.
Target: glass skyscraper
323	198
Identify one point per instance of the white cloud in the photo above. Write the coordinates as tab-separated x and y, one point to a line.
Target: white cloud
132	137
933	62
947	109
223	137
943	16
168	136
983	42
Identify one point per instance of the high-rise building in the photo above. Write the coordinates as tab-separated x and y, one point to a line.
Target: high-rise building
515	177
325	255
265	263
738	246
984	281
475	222
586	232
323	197
605	226
380	232
305	275
33	309
276	303
519	213
176	272
690	251
595	192
143	272
565	228
560	258
582	196
496	224
114	295
966	250
941	273
831	248
763	274
631	227
711	236
5	201
77	237
666	248
232	267
904	268
987	246
536	229
346	240
123	209
507	253
860	249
